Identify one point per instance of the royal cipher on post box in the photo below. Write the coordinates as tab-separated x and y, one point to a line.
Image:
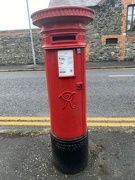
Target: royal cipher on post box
64	40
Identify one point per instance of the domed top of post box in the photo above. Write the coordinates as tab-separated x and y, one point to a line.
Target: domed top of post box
63	14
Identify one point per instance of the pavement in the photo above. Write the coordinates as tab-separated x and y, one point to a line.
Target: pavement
26	154
89	65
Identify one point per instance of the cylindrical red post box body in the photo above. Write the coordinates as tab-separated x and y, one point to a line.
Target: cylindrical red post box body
64	41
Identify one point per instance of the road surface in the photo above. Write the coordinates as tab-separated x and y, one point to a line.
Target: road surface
110	97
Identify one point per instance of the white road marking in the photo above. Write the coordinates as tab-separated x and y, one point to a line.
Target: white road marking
122	75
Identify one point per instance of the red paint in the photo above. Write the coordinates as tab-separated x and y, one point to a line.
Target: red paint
63	28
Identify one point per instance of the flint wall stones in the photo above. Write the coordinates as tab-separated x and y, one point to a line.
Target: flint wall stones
107	22
130	51
15	47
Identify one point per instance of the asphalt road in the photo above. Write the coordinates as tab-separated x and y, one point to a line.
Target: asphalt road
110	93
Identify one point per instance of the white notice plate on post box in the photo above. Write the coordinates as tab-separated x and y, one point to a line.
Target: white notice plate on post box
66	63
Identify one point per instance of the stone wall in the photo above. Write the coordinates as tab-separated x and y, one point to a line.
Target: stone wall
15	47
107	21
130	51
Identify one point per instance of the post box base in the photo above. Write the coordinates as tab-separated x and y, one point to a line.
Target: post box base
70	156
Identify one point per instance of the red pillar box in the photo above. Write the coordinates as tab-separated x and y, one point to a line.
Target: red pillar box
64	41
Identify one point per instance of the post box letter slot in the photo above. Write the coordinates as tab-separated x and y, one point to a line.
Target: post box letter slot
63	37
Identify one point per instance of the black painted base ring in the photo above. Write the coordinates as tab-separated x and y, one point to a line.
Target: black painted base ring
70	156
